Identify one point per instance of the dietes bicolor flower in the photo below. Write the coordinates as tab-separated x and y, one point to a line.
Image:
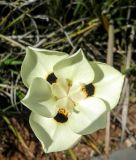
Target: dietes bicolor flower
68	95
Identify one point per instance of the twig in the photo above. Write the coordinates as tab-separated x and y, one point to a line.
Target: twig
12	41
72	154
125	113
18	135
110	62
93	146
125	107
72	35
110	44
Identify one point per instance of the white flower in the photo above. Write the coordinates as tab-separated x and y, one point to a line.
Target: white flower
68	95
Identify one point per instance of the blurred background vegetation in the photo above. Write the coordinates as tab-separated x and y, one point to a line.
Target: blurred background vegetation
64	25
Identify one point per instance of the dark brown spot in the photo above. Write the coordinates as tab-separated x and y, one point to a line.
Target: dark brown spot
89	88
51	78
61	116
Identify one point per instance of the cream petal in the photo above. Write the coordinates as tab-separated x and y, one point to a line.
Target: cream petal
90	110
39	63
65	103
52	135
60	88
100	123
76	93
75	68
108	84
38	98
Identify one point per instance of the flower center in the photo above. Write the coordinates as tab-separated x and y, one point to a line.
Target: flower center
61	116
51	78
68	96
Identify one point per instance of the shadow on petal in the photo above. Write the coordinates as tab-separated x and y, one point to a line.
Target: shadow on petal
98	72
100	123
107	104
44	108
28	65
41	134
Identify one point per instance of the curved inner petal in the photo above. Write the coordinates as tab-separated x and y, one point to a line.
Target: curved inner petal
39	90
38	98
90	110
76	68
51	106
99	123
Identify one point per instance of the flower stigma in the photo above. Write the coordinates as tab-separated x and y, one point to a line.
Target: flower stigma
51	78
69	82
61	116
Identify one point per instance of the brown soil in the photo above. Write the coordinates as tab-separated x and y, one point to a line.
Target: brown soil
90	145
